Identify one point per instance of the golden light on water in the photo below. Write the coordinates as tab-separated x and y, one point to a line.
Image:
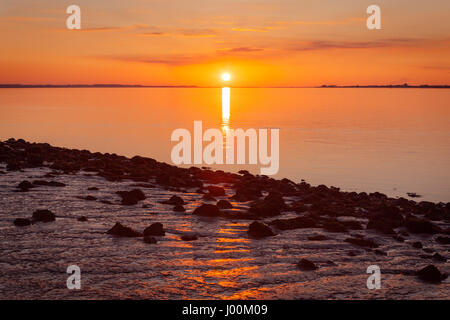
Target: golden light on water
225	104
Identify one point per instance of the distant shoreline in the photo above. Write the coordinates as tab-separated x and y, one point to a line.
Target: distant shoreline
75	86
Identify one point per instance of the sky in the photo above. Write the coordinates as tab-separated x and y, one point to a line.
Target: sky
260	42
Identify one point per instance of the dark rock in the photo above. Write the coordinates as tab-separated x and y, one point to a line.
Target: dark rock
131	197
21	222
259	230
208	197
417	245
207	210
82	219
318	237
443	240
175	200
294	223
106	202
150	239
189	237
416	225
90	198
179	208
155	229
224	204
25	185
93	189
43	215
123	231
430	274
362	242
438	257
306	265
334	226
48	183
216	191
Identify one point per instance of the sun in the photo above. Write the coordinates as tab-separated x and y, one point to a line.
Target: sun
226	76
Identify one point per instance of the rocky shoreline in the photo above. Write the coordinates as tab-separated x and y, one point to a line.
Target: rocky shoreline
271	206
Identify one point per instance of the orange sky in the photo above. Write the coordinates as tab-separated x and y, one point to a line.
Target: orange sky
260	42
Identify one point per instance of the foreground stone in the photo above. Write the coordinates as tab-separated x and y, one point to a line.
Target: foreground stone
123	231
306	265
43	215
22	222
207	210
175	200
155	229
430	274
259	230
131	197
224	204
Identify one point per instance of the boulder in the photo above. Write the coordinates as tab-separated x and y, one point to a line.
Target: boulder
179	208
21	222
216	191
207	210
155	229
82	219
224	204
131	197
174	200
259	230
416	225
123	231
443	240
306	265
43	215
430	274
25	185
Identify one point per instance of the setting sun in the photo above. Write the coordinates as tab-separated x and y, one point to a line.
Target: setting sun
226	76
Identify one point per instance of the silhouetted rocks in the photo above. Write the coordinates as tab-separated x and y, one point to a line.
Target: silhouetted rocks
318	237
48	183
131	197
443	240
179	208
208	197
189	237
294	223
207	210
216	191
259	230
123	231
436	256
272	205
92	189
155	229
362	242
416	225
334	226
82	219
90	198
306	265
430	274
224	204
150	240
174	200
21	222
43	215
25	185
417	245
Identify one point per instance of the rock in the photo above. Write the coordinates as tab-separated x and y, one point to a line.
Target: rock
123	231
82	219
436	256
21	222
259	230
362	242
334	226
318	237
90	198
216	191
417	245
430	274
43	215
174	200
207	210
443	240
155	229
208	197
48	183
416	225
189	237
224	204
131	197
25	185
306	265
93	189
150	239
179	208
294	223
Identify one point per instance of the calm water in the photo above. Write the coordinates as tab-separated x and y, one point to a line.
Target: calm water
393	141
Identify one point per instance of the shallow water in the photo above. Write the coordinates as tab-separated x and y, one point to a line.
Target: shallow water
388	140
224	263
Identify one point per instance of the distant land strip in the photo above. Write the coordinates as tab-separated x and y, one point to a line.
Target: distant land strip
394	86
